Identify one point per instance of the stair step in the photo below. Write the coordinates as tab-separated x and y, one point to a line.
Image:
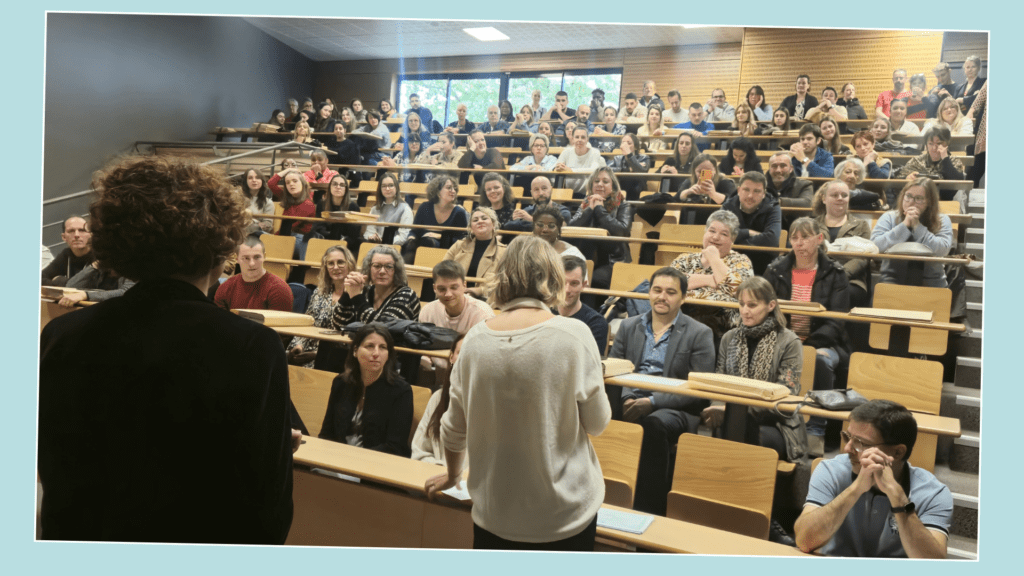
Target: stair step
968	372
974	314
964	454
962	403
975	291
969	343
975	248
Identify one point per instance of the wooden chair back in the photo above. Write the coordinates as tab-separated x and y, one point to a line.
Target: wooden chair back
618	451
428	257
723	484
278	211
561	194
420	397
625	276
920	298
278	247
915	384
364	249
783	237
310	390
315	250
684	233
807	373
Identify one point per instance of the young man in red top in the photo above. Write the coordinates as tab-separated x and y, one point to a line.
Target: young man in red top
254	288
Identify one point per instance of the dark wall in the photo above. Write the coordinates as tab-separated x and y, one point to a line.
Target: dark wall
113	80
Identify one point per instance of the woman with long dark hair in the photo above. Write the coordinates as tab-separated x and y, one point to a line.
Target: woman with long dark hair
370	406
257	193
741	158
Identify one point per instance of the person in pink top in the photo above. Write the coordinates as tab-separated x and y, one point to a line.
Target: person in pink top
319	172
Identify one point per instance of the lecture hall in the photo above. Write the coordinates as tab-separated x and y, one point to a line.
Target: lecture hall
611	275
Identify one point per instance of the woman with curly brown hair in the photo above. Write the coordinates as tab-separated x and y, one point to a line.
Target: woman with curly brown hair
152	374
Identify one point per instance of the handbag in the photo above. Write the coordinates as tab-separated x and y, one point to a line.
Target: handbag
840	400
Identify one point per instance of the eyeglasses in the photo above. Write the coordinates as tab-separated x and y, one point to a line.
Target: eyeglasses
384	267
336	264
915	199
858	444
383	186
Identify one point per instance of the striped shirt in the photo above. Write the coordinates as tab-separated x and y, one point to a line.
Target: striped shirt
803	285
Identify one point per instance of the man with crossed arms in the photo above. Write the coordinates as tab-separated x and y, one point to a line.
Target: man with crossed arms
869	501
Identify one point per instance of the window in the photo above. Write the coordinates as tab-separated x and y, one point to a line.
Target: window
478	94
580	86
433	95
441	94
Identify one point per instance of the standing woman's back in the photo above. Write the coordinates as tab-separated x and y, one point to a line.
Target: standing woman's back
526	390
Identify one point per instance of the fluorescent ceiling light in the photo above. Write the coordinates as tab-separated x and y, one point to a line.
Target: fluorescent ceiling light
488	34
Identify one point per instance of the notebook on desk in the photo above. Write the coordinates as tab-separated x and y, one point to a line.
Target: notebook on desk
906	315
737	386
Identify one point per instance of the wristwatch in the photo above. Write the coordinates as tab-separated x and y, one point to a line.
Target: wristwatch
908	508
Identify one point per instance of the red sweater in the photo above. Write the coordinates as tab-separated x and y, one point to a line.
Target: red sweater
305	210
267	293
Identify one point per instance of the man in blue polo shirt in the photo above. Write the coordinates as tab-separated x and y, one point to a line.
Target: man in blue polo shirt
869	501
697	126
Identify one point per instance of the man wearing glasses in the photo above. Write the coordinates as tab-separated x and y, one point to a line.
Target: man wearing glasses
869	501
717	109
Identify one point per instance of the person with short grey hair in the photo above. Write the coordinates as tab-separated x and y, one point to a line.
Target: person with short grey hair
715	272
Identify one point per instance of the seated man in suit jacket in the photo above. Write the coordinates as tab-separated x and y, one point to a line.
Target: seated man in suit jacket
663	342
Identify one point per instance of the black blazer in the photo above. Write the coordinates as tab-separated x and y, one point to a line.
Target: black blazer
387	415
163	418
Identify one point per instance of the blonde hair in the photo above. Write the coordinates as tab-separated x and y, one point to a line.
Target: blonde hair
957	123
750	125
530	269
324	282
489	212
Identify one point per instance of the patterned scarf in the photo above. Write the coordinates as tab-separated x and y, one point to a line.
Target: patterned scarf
611	203
767	334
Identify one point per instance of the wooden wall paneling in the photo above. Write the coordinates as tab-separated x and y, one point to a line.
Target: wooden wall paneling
836	38
878	53
692	70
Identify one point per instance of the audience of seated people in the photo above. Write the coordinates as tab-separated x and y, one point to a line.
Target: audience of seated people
754	341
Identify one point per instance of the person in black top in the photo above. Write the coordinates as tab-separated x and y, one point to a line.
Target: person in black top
479	156
72	259
121	448
575	282
800	103
370	405
741	158
339	198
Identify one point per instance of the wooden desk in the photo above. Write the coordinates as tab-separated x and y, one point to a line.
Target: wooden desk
315	333
395	512
930	423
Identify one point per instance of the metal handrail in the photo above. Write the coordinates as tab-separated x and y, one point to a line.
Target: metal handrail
274	147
